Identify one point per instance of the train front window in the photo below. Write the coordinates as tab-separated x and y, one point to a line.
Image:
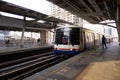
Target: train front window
62	36
75	36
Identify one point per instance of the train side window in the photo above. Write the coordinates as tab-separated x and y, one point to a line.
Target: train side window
75	36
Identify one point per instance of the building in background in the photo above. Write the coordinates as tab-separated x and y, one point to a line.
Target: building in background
108	30
4	32
61	13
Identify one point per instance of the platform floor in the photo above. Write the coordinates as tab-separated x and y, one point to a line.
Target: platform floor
96	64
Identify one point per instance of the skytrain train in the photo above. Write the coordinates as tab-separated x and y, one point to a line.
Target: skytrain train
72	40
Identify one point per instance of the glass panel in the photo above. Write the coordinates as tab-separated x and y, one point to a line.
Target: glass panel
68	36
62	36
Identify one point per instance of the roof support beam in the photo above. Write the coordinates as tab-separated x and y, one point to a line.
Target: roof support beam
88	8
94	4
96	7
38	29
107	25
86	5
92	14
73	6
107	9
32	22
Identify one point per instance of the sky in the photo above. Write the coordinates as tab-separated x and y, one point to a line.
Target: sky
42	6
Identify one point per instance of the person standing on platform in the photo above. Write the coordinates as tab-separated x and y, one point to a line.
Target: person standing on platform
38	41
104	42
7	43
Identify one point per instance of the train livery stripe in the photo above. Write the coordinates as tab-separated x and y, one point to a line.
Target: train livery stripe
67	49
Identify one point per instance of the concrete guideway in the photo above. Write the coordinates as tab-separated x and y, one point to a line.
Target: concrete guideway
97	64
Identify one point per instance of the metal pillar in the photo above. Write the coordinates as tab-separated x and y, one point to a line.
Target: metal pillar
22	36
118	22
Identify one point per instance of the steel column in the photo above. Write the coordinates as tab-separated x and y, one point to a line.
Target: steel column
22	36
118	22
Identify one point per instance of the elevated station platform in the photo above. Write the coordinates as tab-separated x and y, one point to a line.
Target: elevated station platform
9	50
96	64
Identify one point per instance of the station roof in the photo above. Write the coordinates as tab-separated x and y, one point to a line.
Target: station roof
94	11
14	24
18	10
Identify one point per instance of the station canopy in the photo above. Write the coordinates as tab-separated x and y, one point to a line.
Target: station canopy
50	21
94	11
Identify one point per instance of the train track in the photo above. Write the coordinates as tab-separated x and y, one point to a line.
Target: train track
18	69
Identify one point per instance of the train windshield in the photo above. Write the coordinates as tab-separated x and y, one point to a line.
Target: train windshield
62	36
67	36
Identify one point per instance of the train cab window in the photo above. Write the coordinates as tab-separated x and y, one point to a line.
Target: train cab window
62	36
75	36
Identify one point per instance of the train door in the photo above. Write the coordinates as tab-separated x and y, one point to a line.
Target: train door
82	40
92	40
86	39
97	39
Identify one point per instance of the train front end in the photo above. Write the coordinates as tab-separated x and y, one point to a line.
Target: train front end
67	41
